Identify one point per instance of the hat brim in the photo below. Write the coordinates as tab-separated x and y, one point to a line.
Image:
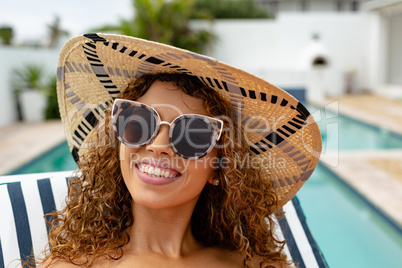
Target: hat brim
94	68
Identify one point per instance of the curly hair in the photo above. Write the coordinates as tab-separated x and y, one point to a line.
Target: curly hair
236	216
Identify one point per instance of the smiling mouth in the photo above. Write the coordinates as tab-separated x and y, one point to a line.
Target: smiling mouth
157	172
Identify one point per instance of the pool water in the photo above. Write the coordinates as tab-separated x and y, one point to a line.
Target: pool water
57	159
347	230
343	133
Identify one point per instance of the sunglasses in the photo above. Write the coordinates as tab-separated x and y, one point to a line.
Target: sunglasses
192	136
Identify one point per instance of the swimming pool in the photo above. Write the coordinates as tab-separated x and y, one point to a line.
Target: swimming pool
344	133
57	159
349	232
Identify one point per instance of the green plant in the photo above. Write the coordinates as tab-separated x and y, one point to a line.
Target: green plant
6	34
32	76
27	77
165	21
231	9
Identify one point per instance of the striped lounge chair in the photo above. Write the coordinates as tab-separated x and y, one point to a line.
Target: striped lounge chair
24	199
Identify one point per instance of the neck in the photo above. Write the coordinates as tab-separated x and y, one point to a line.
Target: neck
164	231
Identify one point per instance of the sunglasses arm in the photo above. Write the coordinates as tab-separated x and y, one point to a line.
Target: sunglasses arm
220	129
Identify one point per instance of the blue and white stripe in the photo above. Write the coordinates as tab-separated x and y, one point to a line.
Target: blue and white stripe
24	199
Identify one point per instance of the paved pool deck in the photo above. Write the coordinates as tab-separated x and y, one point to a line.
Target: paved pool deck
20	143
376	175
372	109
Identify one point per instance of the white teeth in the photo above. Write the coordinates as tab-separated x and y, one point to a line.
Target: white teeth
155	171
151	170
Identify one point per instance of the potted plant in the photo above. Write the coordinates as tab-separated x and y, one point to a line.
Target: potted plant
32	97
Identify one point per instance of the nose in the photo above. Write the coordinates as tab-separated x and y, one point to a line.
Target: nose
161	146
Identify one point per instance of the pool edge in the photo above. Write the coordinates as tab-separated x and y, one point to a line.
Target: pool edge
388	218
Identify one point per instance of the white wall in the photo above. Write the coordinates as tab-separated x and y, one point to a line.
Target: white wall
321	6
395	50
385	66
11	58
273	49
378	52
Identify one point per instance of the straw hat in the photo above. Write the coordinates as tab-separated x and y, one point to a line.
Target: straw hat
94	68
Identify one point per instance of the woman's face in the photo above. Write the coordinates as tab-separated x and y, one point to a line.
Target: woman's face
154	174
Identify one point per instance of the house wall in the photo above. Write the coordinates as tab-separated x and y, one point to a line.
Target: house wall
276	6
281	50
395	51
307	6
378	52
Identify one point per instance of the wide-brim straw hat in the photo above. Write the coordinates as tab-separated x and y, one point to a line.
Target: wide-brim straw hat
94	68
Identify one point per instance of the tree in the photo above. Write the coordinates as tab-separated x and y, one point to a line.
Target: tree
166	22
232	9
6	35
55	32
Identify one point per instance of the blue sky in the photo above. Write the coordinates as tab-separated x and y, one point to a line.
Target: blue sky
30	17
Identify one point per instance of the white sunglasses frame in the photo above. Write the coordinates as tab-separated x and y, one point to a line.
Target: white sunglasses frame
216	124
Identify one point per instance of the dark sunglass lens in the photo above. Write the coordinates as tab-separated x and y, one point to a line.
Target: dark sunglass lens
192	137
136	125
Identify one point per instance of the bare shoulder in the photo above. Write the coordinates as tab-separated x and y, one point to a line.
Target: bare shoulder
56	264
223	258
65	264
259	261
236	259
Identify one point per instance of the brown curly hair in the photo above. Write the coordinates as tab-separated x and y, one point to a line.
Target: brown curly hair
236	216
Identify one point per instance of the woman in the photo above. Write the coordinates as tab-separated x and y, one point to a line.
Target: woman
185	170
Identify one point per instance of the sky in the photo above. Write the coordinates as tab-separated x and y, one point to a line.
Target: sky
29	18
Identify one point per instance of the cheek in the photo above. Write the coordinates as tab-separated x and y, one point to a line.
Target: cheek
204	168
127	157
